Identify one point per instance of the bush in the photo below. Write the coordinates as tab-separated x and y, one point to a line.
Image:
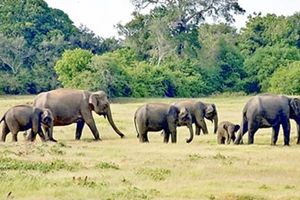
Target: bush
286	80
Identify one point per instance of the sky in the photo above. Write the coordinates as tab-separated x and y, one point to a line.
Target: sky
100	16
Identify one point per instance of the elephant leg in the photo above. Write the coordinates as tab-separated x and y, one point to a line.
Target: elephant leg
219	139
5	131
166	136
275	132
286	132
144	136
173	132
174	137
252	128
89	120
79	128
31	135
242	131
15	137
227	139
298	133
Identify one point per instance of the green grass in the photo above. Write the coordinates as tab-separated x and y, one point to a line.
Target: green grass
115	168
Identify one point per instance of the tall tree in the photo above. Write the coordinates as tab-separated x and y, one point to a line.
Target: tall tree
13	52
176	22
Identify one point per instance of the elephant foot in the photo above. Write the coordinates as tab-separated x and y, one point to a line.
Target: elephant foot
52	140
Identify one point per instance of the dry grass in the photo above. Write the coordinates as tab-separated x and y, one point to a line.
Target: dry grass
117	168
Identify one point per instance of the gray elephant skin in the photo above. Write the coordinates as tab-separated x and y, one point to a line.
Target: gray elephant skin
161	116
268	110
226	132
75	106
24	117
199	111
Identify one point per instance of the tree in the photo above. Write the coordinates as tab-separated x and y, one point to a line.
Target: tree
286	80
173	25
264	62
269	30
71	65
220	58
184	13
13	52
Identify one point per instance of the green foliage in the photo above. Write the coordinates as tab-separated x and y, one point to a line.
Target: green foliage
106	73
157	174
134	193
169	52
221	60
107	165
72	64
264	62
55	165
269	30
286	80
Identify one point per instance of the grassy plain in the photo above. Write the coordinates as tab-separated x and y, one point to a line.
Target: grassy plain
117	168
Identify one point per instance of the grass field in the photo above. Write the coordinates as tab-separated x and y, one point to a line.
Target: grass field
117	168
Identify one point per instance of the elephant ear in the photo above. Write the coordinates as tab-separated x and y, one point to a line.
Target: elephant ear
236	127
184	114
93	101
295	105
47	117
225	127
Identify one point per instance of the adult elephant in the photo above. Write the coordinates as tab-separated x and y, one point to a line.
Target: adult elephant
161	116
75	106
199	111
268	110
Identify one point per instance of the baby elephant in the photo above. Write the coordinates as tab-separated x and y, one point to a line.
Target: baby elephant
24	117
226	132
160	116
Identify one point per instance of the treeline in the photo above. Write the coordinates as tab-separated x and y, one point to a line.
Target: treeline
171	51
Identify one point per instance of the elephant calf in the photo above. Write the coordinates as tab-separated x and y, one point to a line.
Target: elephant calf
226	132
160	116
24	117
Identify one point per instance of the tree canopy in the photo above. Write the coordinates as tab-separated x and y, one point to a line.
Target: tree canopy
177	49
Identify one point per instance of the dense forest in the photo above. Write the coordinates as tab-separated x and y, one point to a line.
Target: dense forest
172	51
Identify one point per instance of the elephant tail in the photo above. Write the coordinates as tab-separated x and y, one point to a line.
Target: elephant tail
2	119
138	134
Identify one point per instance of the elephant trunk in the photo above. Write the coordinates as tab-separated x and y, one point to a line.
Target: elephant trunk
188	140
215	119
112	123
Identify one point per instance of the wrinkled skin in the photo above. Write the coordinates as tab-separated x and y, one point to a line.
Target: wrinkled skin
226	132
199	111
160	116
24	117
268	110
75	106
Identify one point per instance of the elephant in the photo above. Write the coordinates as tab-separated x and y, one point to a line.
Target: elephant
226	132
24	117
199	111
161	116
75	106
269	110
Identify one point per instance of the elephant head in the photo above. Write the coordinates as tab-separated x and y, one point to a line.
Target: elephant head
47	121
99	103
295	109
231	130
47	118
212	115
185	119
